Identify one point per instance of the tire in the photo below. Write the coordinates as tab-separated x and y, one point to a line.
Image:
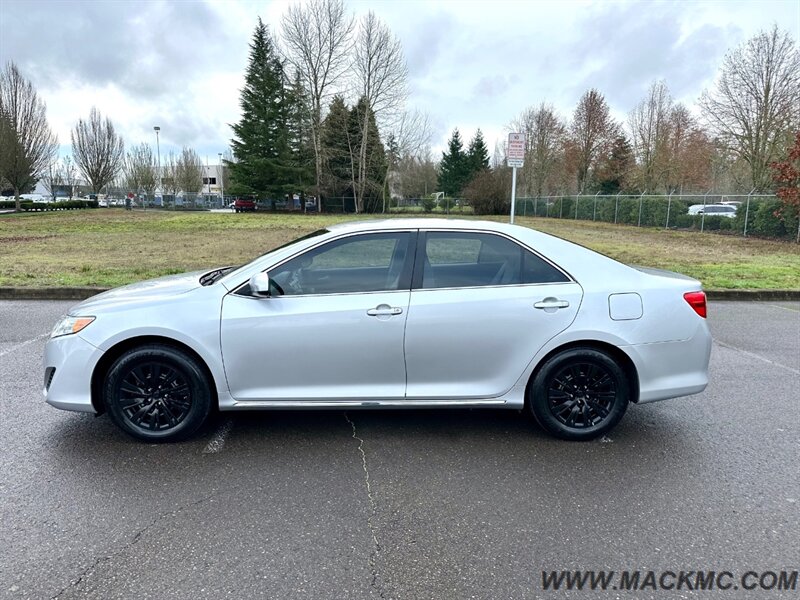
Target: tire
157	393
579	394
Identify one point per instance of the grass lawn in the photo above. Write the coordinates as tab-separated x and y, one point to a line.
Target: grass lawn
111	247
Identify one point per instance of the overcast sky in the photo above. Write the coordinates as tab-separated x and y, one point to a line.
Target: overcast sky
180	65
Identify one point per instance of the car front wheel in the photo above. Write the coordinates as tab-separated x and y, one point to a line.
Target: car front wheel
579	394
157	393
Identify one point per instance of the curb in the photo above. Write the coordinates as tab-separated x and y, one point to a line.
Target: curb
81	293
49	293
753	295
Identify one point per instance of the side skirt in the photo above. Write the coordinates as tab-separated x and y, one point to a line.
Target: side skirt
355	404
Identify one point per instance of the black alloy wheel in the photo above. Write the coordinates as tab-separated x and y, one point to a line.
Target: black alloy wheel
157	393
579	394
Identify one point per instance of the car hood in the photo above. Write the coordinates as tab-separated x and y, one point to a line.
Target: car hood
142	292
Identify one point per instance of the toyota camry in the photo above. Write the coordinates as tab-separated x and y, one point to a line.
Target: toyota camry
387	314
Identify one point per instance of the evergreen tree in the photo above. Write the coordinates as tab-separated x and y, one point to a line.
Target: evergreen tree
338	151
374	168
615	167
393	151
341	149
301	146
263	162
477	155
455	167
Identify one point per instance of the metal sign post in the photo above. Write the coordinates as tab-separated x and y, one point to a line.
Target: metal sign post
515	157
513	192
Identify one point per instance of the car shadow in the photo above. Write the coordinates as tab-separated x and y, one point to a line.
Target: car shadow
644	433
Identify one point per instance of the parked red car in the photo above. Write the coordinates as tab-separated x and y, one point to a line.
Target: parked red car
244	205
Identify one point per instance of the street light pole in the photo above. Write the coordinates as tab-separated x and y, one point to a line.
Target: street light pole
158	150
221	179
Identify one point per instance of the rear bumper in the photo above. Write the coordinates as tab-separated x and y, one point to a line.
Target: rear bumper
672	369
69	386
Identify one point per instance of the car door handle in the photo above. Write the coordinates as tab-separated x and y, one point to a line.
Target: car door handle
551	303
384	311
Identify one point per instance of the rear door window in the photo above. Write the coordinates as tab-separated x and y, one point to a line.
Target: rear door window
468	259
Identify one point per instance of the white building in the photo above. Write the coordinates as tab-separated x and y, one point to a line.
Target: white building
212	180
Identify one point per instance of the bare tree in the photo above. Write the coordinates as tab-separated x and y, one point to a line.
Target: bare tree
544	138
499	154
417	176
650	129
8	141
381	77
140	169
149	178
689	153
317	37
592	129
189	171
412	133
410	139
69	175
169	176
132	172
51	179
756	101
27	144
98	151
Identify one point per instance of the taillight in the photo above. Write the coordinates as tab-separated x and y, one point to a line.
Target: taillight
697	300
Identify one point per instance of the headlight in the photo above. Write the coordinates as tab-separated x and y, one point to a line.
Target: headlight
70	325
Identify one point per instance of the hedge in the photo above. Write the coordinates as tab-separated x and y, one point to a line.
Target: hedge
31	206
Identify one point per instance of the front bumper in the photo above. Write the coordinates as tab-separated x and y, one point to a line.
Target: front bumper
69	362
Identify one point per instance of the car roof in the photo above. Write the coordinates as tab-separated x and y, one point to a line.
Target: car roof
427	223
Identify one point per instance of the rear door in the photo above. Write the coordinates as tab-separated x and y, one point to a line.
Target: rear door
481	307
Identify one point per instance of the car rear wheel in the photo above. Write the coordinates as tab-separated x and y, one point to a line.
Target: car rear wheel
579	394
157	393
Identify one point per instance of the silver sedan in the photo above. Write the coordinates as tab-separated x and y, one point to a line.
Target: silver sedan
399	313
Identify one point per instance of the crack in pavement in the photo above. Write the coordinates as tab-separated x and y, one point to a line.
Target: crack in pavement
376	549
104	559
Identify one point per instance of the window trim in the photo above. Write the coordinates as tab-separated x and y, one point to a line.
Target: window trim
422	239
405	272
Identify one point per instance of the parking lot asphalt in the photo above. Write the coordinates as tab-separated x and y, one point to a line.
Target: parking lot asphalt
402	504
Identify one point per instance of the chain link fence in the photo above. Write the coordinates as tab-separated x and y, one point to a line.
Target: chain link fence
748	214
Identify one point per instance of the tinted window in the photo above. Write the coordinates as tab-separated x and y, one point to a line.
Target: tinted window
455	259
363	263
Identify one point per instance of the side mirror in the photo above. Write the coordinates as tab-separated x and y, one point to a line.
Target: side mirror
259	284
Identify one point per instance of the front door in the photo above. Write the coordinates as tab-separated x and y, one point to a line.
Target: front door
332	329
